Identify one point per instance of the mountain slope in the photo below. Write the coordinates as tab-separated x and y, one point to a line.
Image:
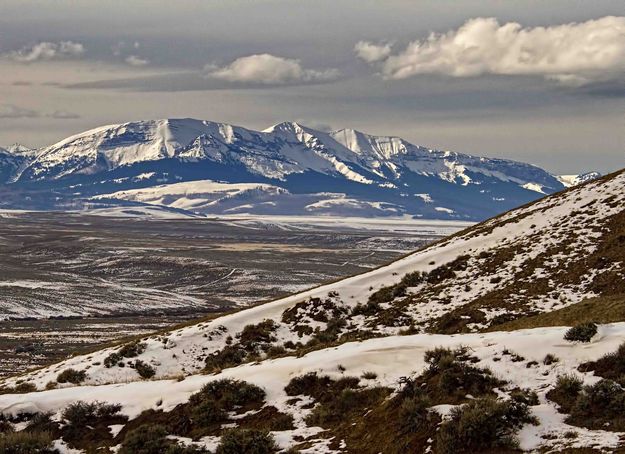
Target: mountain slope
348	164
548	255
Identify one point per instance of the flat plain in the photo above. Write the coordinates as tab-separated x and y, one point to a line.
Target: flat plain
70	281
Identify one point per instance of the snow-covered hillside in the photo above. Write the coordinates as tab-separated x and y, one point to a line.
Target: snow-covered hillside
365	174
539	259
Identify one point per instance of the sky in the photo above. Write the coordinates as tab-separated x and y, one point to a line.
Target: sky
535	81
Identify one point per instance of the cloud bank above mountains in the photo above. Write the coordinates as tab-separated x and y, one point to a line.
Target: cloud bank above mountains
573	54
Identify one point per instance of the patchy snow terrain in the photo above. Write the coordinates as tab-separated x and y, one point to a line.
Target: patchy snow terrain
467	290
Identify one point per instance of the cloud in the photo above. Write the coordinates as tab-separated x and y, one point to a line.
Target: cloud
134	60
267	69
47	51
13	111
573	54
62	115
370	52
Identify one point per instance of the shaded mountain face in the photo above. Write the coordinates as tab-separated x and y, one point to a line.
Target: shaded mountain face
295	170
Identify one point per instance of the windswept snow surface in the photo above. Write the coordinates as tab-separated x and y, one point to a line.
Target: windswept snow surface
390	358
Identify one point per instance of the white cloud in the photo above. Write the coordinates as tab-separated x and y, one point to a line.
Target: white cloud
575	53
62	115
48	51
370	52
134	60
13	111
269	70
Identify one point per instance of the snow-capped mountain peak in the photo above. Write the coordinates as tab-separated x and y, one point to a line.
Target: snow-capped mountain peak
351	164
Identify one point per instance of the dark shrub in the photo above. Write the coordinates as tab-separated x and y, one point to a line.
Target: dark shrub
450	377
152	439
341	405
525	396
261	333
232	392
611	365
211	404
26	443
368	375
318	387
605	399
229	356
5	426
144	369
583	332
413	412
25	387
412	279
112	360
130	350
82	414
550	359
388	294
71	376
565	392
369	309
483	425
246	441
332	331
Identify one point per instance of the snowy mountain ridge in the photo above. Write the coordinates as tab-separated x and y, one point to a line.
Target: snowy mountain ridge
373	170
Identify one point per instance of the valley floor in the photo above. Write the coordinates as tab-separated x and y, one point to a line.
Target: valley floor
71	281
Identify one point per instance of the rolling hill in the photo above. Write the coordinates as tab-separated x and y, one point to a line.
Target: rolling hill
467	332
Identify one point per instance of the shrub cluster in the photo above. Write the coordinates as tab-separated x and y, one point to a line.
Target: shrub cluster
249	441
449	376
212	403
71	376
583	332
338	399
143	369
89	413
131	350
611	365
252	340
413	411
152	439
598	406
483	425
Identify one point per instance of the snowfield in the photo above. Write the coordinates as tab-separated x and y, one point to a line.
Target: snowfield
390	358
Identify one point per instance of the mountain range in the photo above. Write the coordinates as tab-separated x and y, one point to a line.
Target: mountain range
202	167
